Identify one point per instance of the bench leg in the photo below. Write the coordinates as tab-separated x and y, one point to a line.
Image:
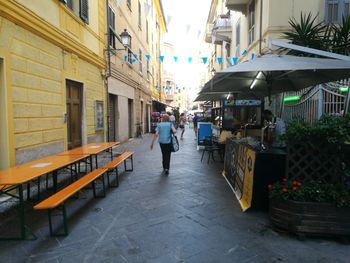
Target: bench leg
116	178
65	225
103	188
132	164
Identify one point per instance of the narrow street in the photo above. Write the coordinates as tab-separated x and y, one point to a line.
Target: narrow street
189	216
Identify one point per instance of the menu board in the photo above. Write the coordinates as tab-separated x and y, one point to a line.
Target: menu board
239	170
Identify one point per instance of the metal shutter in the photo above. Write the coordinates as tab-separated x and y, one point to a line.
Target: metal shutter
84	11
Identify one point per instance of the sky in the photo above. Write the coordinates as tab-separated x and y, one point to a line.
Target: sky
186	23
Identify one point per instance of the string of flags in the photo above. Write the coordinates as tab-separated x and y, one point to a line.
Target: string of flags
230	60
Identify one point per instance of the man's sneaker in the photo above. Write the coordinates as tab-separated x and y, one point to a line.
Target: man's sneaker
166	171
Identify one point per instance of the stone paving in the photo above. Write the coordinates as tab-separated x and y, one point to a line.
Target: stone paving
189	216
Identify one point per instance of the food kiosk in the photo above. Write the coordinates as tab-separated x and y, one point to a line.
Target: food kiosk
251	163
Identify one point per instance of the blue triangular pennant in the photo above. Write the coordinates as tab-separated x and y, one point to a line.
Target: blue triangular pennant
148	57
244	53
135	56
219	60
175	58
253	55
125	58
161	58
229	61
235	60
133	60
204	59
189	59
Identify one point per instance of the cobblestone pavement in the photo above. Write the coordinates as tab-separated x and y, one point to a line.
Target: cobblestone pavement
189	216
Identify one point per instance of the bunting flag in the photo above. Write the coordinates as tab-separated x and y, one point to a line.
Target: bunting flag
189	59
244	53
118	2
133	60
135	56
147	9
229	61
188	27
219	60
235	60
161	58
253	55
125	58
169	19
148	57
204	59
175	58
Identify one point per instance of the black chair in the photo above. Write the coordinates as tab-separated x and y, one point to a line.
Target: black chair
210	146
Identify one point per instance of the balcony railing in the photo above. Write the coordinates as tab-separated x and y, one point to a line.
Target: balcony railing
222	29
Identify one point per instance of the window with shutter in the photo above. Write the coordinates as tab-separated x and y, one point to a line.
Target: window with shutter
111	27
84	10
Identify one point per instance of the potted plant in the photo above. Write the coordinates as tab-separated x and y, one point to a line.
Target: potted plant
314	197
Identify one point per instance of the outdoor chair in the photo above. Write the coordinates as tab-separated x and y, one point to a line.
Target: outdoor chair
210	146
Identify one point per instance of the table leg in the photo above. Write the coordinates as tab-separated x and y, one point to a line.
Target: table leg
54	180
91	168
96	161
111	154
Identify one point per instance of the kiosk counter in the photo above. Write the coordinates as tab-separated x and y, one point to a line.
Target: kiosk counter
249	171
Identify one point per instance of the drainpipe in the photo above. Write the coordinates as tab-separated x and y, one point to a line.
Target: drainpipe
261	13
107	75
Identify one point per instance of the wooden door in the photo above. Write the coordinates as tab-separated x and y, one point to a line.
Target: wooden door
74	113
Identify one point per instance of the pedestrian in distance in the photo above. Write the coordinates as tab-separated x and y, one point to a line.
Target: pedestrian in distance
164	132
182	124
172	119
195	123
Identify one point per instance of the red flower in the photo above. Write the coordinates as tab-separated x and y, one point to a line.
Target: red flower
284	190
284	180
294	182
299	183
270	186
294	188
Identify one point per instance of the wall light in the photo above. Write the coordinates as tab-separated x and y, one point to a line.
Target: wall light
292	98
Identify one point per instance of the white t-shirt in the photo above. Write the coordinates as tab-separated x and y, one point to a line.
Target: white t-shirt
172	118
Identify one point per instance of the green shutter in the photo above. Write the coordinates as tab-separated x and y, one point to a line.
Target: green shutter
84	11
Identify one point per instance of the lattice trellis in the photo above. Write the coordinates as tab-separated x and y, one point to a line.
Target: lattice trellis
311	161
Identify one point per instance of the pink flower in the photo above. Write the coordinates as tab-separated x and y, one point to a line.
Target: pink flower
269	186
284	190
294	188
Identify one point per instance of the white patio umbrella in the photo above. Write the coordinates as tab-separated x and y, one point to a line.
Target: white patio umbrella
271	74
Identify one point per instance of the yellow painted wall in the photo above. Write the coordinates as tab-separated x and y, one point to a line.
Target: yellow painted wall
37	67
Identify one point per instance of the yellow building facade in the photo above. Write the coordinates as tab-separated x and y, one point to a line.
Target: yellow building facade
51	65
133	72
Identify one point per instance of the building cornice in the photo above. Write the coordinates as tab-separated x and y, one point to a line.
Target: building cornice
27	19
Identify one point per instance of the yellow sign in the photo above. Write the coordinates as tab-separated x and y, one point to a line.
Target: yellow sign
247	193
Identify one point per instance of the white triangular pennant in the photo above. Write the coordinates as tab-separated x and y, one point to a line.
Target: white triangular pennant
118	2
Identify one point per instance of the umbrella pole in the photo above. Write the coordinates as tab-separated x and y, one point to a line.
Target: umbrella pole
347	103
282	105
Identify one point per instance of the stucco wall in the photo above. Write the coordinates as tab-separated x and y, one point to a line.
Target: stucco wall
38	70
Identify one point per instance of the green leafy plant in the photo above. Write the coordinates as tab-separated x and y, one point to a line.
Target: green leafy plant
328	128
308	32
315	191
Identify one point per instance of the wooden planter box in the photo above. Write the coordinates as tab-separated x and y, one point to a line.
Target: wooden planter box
309	218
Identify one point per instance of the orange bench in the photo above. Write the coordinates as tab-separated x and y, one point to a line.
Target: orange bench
113	165
58	199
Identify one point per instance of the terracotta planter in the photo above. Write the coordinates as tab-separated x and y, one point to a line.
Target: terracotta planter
309	218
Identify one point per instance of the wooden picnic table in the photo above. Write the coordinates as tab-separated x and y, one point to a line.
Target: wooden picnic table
15	177
92	149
